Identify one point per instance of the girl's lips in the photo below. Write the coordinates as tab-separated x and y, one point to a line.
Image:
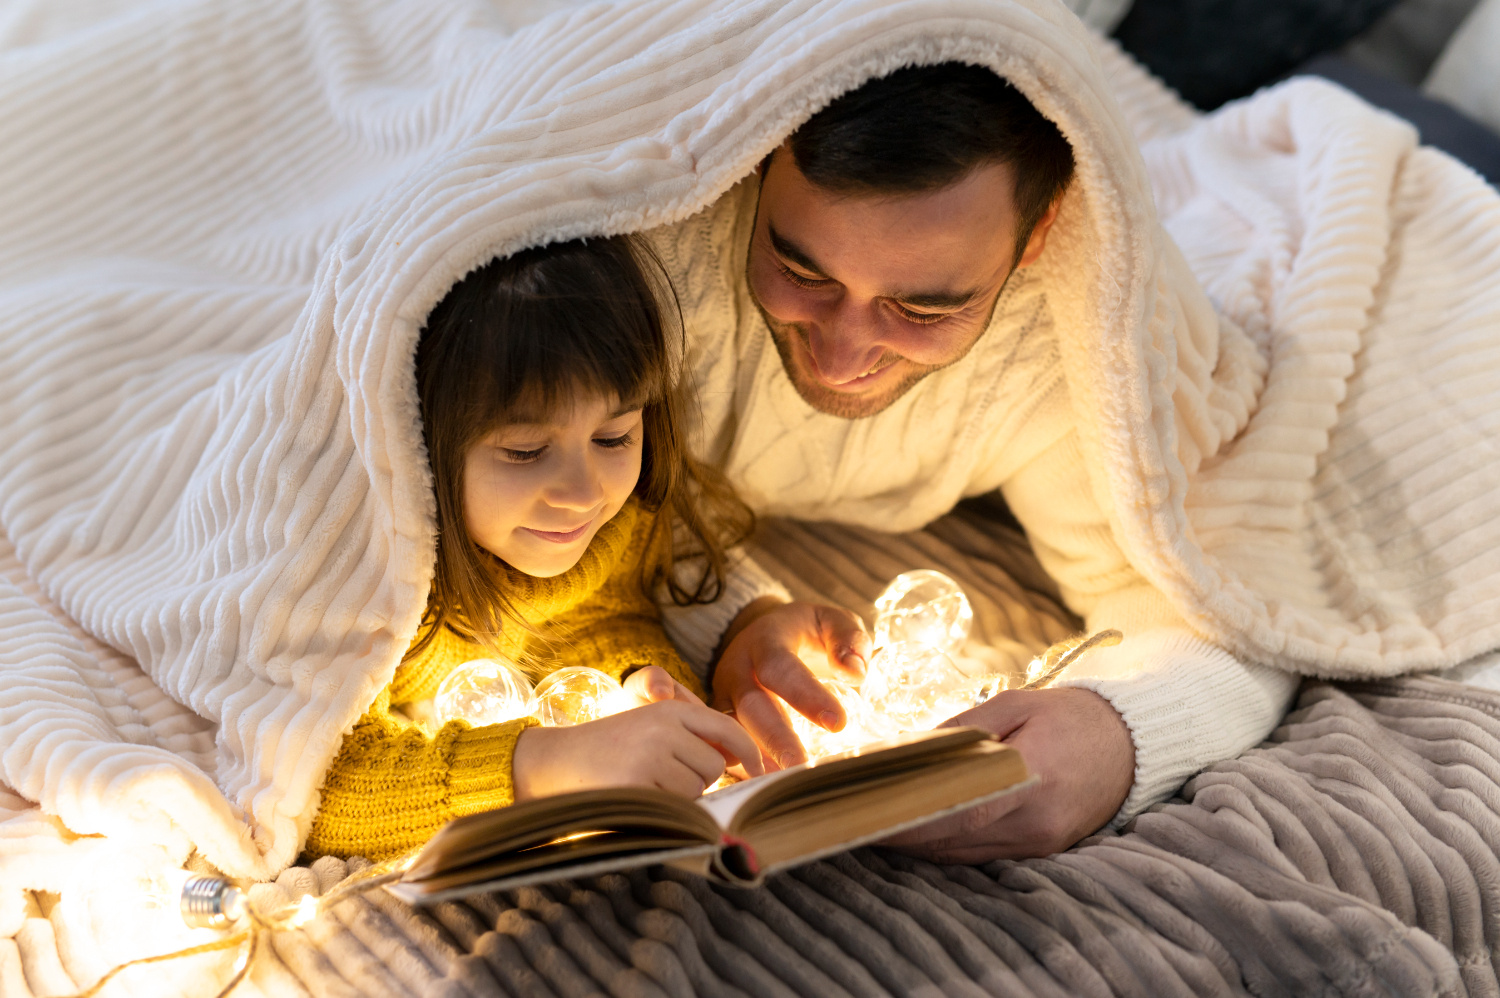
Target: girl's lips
559	536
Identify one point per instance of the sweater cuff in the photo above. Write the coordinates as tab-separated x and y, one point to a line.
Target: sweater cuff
697	629
479	773
1188	704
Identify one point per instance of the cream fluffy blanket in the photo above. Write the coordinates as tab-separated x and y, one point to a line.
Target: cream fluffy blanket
222	224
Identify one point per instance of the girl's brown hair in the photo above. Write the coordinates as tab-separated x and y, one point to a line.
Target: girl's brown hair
527	333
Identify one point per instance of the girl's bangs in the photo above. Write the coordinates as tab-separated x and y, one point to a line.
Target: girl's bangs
562	355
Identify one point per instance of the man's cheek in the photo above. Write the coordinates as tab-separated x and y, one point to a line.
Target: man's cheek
778	297
934	346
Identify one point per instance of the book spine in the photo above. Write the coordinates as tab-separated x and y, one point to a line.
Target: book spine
736	863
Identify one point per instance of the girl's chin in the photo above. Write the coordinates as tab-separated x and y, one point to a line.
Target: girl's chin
545	559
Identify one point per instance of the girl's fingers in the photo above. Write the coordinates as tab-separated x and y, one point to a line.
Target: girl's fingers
651	684
654	684
705	761
678	778
731	742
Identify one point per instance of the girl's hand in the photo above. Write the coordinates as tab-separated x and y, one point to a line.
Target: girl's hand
654	684
680	746
777	648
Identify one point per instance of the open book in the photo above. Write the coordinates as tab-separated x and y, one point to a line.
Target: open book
738	834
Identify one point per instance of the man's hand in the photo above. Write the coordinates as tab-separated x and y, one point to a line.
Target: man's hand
776	649
1081	752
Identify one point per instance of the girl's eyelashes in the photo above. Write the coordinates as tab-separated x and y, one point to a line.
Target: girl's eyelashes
623	440
516	455
522	456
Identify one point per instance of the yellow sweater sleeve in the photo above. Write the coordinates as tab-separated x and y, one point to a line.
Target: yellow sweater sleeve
392	786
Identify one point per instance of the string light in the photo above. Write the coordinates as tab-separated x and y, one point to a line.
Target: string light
912	683
214	902
577	694
915	686
208	902
490	691
484	691
923	608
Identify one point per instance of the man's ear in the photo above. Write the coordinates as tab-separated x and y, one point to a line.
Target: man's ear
1037	241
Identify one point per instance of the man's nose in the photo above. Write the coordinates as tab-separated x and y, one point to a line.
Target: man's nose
845	345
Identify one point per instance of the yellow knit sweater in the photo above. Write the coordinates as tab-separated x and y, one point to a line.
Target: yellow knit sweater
393	785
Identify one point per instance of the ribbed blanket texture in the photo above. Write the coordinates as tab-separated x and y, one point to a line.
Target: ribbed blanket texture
222	225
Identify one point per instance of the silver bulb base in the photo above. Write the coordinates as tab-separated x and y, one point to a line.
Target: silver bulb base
211	903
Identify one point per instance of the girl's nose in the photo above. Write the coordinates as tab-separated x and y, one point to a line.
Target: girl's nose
576	487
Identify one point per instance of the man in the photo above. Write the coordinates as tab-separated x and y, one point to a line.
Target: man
884	250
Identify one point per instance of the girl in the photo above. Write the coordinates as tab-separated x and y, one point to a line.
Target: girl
552	417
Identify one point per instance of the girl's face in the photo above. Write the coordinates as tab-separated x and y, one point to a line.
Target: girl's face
536	492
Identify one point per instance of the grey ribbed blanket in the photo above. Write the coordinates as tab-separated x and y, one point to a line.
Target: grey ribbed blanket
1354	853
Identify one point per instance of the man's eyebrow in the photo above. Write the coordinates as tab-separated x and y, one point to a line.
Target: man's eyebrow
937	299
790	250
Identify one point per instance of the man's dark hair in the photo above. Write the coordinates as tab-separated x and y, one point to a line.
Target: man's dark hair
925	127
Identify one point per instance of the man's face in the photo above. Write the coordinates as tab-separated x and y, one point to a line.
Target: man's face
867	295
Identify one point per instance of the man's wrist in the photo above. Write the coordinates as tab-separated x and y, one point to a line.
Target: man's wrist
749	614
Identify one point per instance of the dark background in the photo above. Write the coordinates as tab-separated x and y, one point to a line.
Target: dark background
1214	51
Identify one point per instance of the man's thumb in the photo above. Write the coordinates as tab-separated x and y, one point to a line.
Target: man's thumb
1003	713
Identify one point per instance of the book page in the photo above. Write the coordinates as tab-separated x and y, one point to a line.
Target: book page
796	829
476	838
722	805
725	805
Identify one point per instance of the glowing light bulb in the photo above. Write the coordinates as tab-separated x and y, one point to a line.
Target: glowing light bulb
576	695
923	608
862	726
163	888
306	911
915	686
484	691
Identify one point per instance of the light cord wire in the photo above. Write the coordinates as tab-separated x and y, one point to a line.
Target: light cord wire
262	924
1065	653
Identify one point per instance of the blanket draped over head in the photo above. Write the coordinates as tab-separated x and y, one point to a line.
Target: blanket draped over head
223	222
